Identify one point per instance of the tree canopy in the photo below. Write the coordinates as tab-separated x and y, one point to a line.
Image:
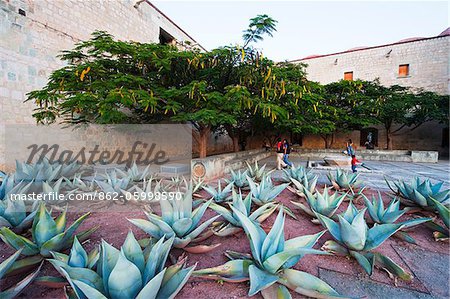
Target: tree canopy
234	89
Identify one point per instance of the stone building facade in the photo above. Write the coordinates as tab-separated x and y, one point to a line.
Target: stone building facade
415	62
32	32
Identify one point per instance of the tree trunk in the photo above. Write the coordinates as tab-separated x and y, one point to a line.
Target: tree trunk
235	143
388	138
203	141
326	139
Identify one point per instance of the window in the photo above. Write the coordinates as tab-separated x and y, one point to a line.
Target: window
348	76
403	70
296	138
165	38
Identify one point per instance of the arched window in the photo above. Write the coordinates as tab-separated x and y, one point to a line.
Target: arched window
369	138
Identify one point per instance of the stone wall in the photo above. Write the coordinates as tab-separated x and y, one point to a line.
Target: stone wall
32	32
428	61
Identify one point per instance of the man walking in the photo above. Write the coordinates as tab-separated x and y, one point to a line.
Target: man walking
280	154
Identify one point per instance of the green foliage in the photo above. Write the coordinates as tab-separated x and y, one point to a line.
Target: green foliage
178	220
16	289
14	215
47	234
220	194
353	238
420	193
126	273
322	203
270	261
232	225
264	191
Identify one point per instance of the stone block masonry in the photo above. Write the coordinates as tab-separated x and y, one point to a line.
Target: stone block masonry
33	32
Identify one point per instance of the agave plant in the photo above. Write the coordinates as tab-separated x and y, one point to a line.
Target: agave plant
47	234
219	194
420	194
55	189
306	183
232	225
392	213
78	183
322	203
345	181
255	172
265	191
180	221
126	273
297	173
14	215
113	183
9	186
353	238
44	171
15	290
268	266
238	179
441	233
134	174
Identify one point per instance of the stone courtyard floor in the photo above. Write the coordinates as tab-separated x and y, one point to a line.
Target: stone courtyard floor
439	172
429	267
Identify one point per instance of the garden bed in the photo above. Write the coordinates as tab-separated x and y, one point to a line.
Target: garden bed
114	228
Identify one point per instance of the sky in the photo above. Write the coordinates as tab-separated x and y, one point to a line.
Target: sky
307	28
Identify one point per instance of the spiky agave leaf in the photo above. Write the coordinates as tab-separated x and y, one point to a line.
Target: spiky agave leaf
354	238
420	193
441	233
271	257
344	180
238	179
244	206
129	272
257	173
219	194
265	191
5	267
177	220
47	234
322	203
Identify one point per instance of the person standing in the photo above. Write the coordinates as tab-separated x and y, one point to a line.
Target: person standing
354	162
350	150
287	151
280	154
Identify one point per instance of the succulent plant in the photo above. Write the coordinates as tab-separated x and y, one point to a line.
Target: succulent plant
113	183
134	173
322	203
265	191
354	238
78	183
308	183
297	173
268	266
9	186
392	213
180	221
47	234
16	289
14	215
343	180
441	233
238	179
420	194
126	273
219	194
232	225
44	171
255	172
